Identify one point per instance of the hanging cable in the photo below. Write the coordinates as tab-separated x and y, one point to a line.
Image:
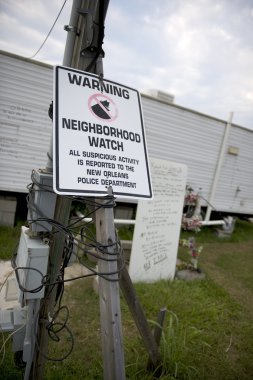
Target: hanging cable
52	27
80	241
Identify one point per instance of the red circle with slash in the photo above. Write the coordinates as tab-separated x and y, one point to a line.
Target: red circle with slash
103	107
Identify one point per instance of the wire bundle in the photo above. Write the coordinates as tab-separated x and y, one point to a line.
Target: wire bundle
80	241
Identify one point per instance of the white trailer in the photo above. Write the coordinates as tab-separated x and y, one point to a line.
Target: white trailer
204	143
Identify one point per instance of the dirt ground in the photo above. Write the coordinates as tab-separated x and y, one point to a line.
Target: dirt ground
7	272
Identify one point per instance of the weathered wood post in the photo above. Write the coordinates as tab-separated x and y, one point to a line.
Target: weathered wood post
110	313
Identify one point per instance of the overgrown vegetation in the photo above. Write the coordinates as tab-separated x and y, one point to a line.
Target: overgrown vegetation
208	332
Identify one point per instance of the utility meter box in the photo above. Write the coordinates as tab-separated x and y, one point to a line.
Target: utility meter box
42	196
32	259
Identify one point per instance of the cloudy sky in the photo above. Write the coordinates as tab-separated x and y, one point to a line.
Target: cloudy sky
201	51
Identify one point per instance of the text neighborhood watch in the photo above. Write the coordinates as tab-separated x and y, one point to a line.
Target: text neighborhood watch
84	126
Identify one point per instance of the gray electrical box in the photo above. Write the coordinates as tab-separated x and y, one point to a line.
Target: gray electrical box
32	256
41	201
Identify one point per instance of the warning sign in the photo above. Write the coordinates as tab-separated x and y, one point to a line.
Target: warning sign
99	137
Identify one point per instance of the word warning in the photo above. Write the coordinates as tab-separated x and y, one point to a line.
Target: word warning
99	137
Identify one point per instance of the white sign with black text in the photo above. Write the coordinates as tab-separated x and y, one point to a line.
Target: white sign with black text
99	137
158	224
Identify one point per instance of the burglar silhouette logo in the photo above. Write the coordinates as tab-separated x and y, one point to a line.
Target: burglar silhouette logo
101	112
103	107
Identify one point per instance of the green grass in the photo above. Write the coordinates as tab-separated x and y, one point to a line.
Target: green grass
9	238
208	332
204	333
207	335
238	263
125	232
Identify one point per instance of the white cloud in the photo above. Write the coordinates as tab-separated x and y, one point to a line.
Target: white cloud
200	50
26	23
249	96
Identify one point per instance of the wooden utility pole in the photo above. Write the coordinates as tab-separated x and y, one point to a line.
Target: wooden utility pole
84	51
81	51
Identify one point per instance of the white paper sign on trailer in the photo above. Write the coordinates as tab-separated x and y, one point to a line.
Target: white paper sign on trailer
158	224
99	137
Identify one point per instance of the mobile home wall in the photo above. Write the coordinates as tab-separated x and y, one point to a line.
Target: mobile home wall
173	132
194	139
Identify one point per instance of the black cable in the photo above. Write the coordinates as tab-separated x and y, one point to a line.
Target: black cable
50	325
90	243
53	333
52	27
18	268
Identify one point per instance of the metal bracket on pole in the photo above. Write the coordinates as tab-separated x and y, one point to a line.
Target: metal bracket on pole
88	49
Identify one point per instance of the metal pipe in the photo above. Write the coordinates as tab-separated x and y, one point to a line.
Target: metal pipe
218	167
133	222
212	222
